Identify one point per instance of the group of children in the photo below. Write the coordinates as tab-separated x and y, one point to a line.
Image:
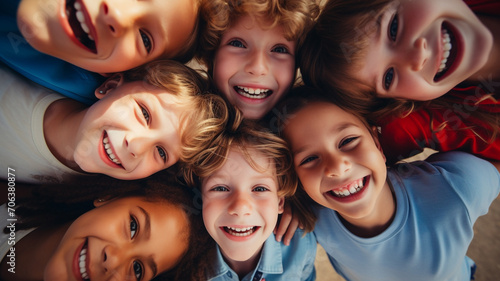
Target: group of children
243	147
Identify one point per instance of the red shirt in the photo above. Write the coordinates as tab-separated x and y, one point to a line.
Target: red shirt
403	137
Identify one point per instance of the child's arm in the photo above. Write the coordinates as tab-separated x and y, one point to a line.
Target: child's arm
287	225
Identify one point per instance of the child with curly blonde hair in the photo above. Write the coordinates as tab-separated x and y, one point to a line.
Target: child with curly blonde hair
252	60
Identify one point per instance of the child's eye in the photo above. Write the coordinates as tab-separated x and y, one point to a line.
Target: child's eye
145	113
138	270
388	78
220	188
162	153
347	141
236	43
146	40
280	49
393	28
307	160
134	226
260	189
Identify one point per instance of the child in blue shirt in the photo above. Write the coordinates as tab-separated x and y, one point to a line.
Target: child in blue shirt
144	122
413	221
244	177
70	46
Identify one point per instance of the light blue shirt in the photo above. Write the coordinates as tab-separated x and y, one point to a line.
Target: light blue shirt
53	73
437	204
277	261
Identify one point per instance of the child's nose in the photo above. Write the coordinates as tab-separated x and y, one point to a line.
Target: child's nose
240	204
418	55
113	258
336	165
119	17
257	64
137	145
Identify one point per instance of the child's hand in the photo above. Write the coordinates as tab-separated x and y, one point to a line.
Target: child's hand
287	225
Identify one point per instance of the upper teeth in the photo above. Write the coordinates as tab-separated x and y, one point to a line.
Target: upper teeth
353	189
110	153
236	231
253	93
81	18
82	263
446	50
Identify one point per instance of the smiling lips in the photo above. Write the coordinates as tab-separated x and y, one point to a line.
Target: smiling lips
349	189
449	49
240	232
82	263
109	150
253	93
78	22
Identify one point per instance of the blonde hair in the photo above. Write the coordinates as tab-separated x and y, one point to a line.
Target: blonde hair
204	113
245	135
295	16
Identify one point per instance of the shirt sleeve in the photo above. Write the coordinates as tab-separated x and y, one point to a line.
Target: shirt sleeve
475	181
443	130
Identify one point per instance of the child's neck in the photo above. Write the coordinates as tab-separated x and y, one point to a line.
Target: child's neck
60	126
490	70
33	252
242	268
378	220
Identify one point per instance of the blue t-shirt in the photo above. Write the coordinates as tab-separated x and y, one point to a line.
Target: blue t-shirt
277	261
53	73
438	202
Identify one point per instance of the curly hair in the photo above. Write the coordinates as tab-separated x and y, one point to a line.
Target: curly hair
204	113
295	16
245	135
56	204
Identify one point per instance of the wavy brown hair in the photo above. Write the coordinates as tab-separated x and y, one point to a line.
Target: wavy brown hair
337	44
245	135
295	16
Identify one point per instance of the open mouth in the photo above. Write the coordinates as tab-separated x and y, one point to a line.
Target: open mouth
109	150
82	263
240	232
450	50
81	28
253	93
350	189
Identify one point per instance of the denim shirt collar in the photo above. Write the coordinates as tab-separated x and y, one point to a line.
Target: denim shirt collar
270	262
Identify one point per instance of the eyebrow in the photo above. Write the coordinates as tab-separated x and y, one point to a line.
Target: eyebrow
336	130
147	234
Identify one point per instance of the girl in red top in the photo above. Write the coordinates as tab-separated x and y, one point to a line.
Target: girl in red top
401	62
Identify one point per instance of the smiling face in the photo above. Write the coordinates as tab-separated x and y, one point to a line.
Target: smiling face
132	132
254	67
422	49
107	36
338	162
241	206
124	239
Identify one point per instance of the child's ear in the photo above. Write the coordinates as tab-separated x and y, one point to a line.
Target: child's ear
102	201
375	133
108	85
281	205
